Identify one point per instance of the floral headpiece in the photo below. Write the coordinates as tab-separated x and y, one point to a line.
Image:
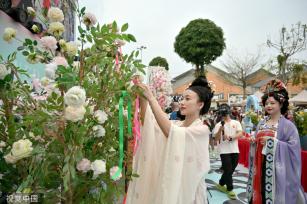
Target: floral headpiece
274	86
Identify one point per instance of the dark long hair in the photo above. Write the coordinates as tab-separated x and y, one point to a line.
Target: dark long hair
201	87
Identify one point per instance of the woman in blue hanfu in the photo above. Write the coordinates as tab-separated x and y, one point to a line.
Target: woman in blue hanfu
275	153
173	157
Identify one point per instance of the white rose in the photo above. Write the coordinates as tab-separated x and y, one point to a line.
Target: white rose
71	48
99	167
45	81
33	58
2	144
89	19
112	149
35	29
56	29
74	114
9	34
4	71
101	116
31	11
119	42
99	131
21	149
50	70
113	171
49	43
84	165
10	159
55	14
75	96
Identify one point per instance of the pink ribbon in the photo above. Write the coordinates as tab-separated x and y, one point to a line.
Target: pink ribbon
56	2
117	61
136	125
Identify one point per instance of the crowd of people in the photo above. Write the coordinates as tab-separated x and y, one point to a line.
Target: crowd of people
173	157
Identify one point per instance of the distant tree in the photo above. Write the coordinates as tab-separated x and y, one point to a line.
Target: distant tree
159	61
240	67
291	42
299	75
200	43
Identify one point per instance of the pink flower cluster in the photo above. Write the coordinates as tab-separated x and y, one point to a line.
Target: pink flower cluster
160	85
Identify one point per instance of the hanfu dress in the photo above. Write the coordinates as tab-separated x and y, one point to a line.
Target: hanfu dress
171	170
275	168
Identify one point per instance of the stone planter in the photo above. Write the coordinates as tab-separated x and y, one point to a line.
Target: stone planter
303	140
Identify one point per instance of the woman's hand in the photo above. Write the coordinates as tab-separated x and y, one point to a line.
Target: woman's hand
146	91
161	117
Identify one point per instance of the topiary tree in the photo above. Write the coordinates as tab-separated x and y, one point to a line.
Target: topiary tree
159	61
200	43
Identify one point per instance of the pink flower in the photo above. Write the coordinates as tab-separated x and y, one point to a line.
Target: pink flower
49	43
60	61
84	165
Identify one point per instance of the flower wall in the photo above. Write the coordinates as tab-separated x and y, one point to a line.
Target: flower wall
59	134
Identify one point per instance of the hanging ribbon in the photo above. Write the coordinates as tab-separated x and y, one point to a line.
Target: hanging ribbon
124	94
136	125
56	2
117	60
46	4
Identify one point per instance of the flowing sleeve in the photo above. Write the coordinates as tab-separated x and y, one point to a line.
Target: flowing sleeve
147	162
287	164
186	161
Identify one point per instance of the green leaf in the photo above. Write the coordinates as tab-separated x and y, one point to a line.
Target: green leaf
25	53
124	27
82	10
89	38
135	175
20	48
81	31
137	53
131	37
35	42
31	48
66	180
114	26
28	41
72	172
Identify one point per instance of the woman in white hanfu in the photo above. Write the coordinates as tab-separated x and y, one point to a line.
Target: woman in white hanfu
173	157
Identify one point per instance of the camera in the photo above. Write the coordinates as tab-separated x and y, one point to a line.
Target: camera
224	110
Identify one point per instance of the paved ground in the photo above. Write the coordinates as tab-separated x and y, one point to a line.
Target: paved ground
239	177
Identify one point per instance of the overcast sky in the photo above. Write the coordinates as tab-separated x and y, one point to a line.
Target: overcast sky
247	24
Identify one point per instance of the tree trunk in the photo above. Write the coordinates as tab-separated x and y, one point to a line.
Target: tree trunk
244	90
283	69
197	70
200	70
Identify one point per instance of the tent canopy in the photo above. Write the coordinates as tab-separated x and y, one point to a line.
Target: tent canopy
300	98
